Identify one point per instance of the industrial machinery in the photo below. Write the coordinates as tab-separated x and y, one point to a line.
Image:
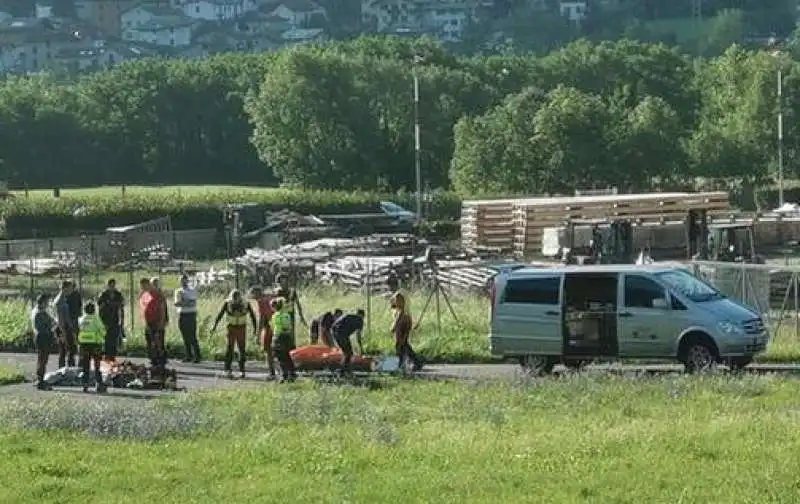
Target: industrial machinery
733	242
611	242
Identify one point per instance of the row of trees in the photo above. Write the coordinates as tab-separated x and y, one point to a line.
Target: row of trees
341	116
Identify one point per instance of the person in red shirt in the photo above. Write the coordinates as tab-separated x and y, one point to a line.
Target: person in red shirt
265	313
151	306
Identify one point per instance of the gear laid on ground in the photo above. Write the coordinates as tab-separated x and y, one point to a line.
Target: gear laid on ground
127	374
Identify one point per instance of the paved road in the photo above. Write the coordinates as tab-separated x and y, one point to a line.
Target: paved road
208	375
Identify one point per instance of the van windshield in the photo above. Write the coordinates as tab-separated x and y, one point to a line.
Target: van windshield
690	286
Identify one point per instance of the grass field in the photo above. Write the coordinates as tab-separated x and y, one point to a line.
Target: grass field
574	440
10	375
456	341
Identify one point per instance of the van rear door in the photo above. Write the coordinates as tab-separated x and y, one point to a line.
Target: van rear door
527	318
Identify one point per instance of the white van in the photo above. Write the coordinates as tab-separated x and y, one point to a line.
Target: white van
574	314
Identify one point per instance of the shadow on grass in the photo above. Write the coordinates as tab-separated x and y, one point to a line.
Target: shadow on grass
113	393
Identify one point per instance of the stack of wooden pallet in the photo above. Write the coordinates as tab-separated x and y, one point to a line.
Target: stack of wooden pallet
519	224
488	223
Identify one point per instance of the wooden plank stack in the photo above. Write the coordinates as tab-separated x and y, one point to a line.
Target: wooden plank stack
488	223
518	224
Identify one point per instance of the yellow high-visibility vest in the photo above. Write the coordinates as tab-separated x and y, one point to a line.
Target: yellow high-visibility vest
281	323
92	331
236	318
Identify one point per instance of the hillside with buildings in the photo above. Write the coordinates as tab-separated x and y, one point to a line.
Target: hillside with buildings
70	36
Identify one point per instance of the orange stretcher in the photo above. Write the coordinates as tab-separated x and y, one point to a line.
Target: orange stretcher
320	357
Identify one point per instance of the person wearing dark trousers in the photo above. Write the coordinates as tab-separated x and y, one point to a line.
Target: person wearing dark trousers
265	311
341	330
111	306
237	311
75	303
44	338
91	339
67	327
153	312
291	302
284	339
161	332
186	306
401	328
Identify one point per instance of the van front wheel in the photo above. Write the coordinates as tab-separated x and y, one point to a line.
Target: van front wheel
537	365
699	357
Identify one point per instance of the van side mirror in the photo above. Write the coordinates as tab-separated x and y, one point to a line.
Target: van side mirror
660	303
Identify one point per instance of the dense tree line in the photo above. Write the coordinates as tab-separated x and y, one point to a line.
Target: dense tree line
623	113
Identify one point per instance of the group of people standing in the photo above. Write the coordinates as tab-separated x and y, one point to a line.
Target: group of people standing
89	331
96	330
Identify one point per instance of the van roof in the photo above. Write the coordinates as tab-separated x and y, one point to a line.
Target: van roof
596	268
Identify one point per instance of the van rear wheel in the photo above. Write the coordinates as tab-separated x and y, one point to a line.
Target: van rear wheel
537	365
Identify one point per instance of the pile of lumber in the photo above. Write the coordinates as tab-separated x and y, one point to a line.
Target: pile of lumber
517	224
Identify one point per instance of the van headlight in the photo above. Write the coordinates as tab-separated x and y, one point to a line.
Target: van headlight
730	328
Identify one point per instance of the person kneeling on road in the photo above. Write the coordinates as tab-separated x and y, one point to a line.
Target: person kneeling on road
91	338
237	310
342	329
283	344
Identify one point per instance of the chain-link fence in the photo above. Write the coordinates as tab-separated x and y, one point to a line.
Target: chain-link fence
772	290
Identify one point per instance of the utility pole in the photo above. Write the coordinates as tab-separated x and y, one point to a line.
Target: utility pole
778	55
780	135
417	141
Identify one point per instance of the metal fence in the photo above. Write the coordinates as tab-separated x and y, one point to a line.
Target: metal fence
772	290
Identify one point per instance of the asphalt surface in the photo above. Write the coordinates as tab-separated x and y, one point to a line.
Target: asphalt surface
209	375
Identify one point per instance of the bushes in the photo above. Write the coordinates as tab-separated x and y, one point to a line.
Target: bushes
94	210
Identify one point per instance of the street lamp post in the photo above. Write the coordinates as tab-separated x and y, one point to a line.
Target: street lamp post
417	142
777	54
780	137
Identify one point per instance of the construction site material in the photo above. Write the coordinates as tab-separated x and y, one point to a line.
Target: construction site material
517	224
321	357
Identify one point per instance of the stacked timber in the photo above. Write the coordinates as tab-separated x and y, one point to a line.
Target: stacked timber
490	223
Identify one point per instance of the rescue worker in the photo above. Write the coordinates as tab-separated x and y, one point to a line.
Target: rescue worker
284	340
67	326
342	329
153	311
44	338
156	283
111	306
320	328
236	310
265	312
75	304
401	328
186	306
91	339
291	301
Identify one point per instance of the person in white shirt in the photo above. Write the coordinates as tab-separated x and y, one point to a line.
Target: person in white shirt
186	305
